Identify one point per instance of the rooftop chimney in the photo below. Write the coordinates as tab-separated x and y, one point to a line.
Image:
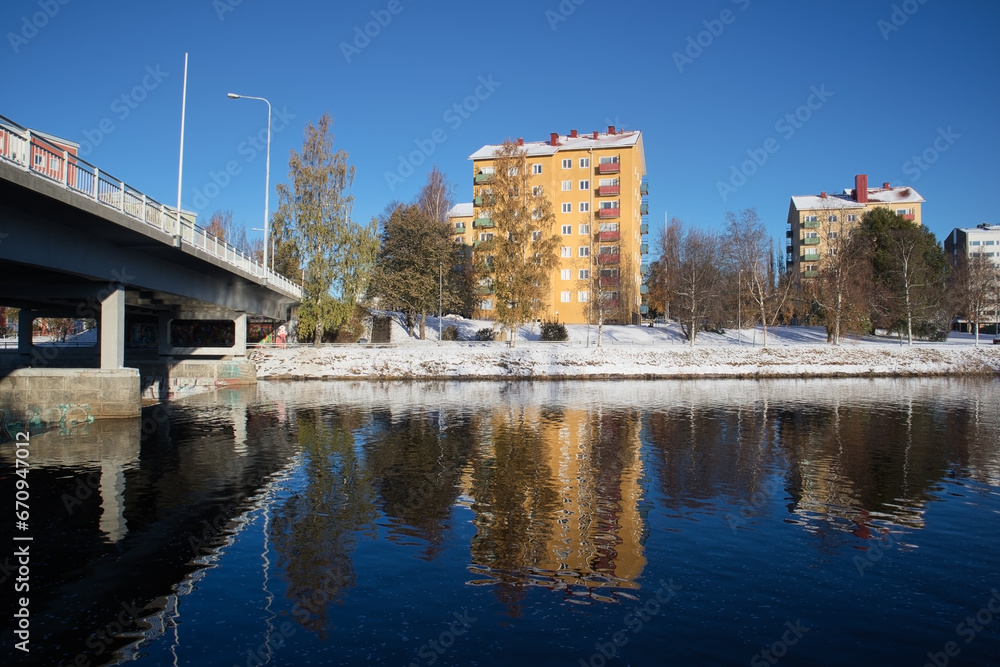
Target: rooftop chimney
885	186
595	134
822	195
861	188
520	141
611	129
572	133
554	139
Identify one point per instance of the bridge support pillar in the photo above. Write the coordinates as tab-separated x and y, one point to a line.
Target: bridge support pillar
240	347
113	330
24	333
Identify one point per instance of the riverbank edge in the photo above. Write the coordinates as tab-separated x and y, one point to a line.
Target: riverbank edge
568	364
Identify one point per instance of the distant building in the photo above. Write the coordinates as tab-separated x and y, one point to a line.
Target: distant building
814	219
984	238
596	185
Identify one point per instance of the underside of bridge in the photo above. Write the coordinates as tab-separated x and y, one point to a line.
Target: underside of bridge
158	302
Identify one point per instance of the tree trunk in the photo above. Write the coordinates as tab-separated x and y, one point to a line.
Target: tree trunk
763	322
423	325
318	341
693	332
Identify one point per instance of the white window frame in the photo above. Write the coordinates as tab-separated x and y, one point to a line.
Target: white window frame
583	274
536	190
585	207
567	207
566	296
567	186
585	185
567	163
566	274
584	162
583	296
584	251
567	230
585	229
536	168
565	251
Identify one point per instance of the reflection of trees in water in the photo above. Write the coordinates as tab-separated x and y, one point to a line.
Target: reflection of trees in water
557	502
417	466
704	453
314	531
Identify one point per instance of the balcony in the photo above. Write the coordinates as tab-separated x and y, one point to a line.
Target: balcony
644	249
608	236
812	241
610	281
812	257
479	200
909	216
644	189
607	259
609	190
609	212
609	305
810	274
643	289
644	209
644	228
609	168
483	223
484	290
643	309
810	224
460	228
483	178
788	233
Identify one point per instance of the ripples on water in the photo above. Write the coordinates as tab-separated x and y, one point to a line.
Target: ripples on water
339	523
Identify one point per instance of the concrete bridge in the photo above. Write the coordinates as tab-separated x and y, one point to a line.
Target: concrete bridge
76	242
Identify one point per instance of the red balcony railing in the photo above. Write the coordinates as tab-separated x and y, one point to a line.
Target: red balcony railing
610	281
609	190
608	236
608	212
609	168
909	216
607	259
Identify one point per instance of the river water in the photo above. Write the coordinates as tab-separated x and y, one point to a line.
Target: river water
811	522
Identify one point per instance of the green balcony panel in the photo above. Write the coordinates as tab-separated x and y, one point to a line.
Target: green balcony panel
812	241
481	223
644	209
643	289
483	178
810	274
644	189
644	228
812	224
810	258
644	248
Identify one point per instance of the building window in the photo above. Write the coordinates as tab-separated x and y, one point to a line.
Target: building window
567	230
583	296
567	186
536	236
987	242
584	274
567	208
812	235
485	236
852	218
512	171
904	211
566	274
584	229
833	235
584	162
584	185
585	207
459	225
486	304
609	204
810	218
585	251
608	250
609	160
567	163
832	218
458	239
566	251
565	296
536	169
973	242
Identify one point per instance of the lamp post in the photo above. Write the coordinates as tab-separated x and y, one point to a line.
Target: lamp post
258	229
267	169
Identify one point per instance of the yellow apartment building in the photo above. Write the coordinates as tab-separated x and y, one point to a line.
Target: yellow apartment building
815	222
596	183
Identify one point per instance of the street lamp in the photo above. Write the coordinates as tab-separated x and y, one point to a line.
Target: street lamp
267	170
258	229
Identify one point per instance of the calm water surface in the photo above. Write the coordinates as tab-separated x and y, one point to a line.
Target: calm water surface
810	522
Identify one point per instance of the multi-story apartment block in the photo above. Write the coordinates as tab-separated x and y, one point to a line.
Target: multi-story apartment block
814	221
596	185
984	238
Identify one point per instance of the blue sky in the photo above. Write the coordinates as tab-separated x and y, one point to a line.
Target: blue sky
708	83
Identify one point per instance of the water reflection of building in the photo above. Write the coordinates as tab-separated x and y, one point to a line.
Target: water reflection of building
556	495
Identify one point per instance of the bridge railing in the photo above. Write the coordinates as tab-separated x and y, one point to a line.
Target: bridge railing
41	157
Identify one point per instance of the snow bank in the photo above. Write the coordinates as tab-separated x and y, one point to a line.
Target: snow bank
633	353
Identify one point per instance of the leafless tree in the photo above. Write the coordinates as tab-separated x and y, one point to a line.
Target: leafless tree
974	283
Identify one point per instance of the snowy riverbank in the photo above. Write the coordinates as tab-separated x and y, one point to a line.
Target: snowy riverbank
634	352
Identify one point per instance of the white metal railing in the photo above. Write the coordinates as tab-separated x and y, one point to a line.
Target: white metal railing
38	156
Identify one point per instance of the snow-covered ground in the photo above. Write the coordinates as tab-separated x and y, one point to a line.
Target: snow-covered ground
630	352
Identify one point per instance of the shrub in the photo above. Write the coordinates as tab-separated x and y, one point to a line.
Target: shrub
485	333
450	333
554	331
